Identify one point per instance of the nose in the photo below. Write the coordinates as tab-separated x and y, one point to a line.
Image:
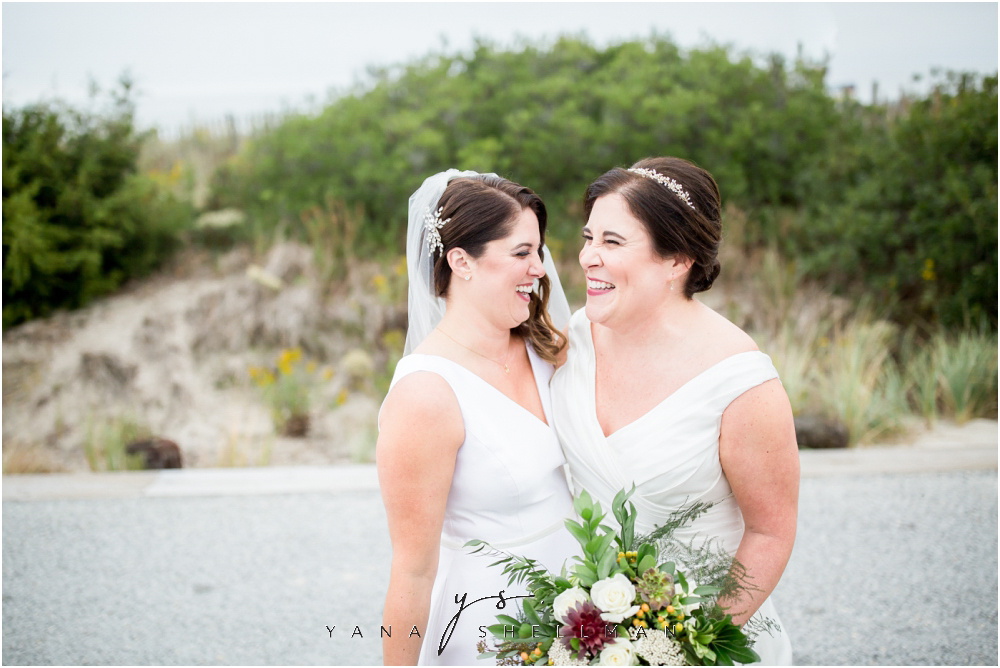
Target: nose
590	256
537	269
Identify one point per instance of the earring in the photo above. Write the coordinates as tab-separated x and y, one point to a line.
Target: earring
671	286
468	277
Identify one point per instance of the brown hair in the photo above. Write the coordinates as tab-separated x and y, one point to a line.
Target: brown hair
674	227
483	209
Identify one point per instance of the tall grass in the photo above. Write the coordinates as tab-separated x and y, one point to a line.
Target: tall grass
953	375
106	440
848	363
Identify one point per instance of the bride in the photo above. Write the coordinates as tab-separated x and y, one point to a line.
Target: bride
466	448
660	391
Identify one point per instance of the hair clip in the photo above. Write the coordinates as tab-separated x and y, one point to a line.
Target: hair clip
672	185
433	225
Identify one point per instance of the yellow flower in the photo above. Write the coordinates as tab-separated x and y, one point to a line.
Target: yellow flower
342	397
928	272
327	373
311	367
400	268
380	282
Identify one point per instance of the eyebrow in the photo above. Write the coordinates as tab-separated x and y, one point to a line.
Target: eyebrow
523	244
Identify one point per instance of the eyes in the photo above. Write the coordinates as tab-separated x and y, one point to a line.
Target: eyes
607	242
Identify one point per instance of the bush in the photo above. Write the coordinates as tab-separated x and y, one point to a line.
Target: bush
552	118
919	225
78	219
899	202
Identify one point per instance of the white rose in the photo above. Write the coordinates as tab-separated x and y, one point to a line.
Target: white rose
568	600
620	653
614	596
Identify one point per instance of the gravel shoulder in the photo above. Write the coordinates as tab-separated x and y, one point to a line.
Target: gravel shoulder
888	569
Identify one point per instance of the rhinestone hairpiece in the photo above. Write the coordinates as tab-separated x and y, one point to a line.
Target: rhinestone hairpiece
672	185
433	225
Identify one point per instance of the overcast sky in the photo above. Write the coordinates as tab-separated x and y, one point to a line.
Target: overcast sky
195	61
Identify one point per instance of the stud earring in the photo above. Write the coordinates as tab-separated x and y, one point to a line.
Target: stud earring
671	286
468	277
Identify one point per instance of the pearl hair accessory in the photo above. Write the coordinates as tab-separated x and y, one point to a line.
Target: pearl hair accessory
672	185
433	225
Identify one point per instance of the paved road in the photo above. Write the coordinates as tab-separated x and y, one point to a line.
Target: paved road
889	568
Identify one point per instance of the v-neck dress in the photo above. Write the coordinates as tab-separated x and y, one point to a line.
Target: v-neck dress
671	453
508	489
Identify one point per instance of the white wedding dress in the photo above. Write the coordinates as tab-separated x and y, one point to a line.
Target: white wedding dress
671	453
508	489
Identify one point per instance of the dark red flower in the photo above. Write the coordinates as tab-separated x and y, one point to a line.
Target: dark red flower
584	622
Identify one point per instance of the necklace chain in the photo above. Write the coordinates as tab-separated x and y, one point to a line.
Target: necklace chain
504	364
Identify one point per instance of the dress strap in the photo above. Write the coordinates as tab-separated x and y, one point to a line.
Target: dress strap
413	363
736	375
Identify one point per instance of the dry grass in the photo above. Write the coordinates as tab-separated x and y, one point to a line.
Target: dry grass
241	450
21	457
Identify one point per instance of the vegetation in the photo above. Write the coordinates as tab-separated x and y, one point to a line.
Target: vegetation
107	440
899	201
288	389
861	240
78	219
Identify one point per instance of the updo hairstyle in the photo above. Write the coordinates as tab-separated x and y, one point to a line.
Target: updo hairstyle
483	209
673	226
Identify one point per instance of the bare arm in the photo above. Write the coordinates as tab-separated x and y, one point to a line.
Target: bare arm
421	432
760	458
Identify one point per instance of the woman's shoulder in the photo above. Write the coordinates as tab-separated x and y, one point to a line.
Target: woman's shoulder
737	362
722	335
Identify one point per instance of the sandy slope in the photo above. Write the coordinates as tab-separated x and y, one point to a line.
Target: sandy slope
172	353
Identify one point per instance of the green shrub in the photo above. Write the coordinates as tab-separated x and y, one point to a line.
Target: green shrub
919	226
78	219
899	201
550	116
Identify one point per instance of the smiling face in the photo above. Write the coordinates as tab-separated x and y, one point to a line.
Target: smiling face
503	276
625	276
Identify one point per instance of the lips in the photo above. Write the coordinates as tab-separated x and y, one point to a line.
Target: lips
595	287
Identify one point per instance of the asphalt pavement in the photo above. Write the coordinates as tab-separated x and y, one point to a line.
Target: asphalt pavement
895	563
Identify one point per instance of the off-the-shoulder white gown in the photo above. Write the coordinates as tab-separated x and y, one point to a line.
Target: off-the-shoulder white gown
508	489
671	453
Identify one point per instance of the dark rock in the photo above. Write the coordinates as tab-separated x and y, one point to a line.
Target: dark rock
159	453
812	431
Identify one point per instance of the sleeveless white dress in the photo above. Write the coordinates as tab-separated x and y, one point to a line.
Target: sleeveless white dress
508	489
671	453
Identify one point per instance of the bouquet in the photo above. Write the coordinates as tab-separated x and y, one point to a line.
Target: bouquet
626	601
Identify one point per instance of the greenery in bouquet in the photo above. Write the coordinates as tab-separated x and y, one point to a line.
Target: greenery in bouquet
625	600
